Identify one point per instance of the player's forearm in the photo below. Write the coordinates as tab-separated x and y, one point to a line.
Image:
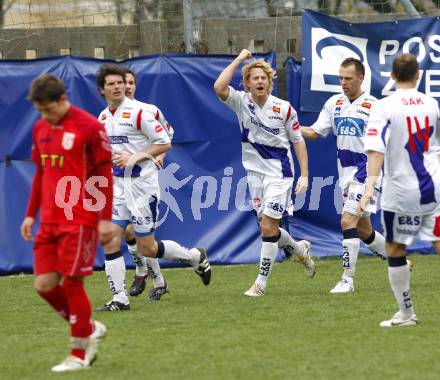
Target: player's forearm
309	133
224	79
375	161
155	150
35	196
303	159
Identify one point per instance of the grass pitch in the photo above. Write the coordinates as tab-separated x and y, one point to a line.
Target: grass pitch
298	330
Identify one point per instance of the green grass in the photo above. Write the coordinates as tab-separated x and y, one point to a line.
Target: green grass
296	331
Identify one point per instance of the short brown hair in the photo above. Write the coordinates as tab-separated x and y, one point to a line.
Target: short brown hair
358	65
106	70
46	88
405	67
130	71
259	64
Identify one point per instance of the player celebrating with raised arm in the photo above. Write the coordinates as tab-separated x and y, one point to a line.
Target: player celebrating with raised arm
347	116
268	125
403	133
136	138
71	151
145	266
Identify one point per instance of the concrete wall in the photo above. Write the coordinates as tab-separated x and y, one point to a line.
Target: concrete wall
117	41
222	36
281	34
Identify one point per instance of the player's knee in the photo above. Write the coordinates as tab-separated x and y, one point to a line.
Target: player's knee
113	245
147	247
129	233
269	229
347	222
44	284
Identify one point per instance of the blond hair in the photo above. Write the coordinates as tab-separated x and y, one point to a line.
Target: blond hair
259	64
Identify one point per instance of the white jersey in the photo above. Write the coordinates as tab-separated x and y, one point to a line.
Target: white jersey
158	115
348	121
131	129
266	133
405	127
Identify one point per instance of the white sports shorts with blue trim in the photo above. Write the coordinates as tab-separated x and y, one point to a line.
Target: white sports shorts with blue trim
404	229
270	195
352	196
136	201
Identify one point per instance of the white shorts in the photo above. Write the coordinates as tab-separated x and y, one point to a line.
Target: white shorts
404	229
136	201
270	195
352	195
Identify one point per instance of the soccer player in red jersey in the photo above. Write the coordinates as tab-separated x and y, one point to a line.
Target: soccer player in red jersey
72	188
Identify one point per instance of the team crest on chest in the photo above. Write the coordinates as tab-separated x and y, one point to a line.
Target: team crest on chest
68	140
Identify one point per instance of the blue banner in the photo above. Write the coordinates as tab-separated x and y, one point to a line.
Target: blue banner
327	41
204	192
204	188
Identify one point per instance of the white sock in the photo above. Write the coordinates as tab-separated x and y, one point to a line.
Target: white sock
174	251
350	251
115	271
139	260
399	277
155	273
287	242
377	246
267	259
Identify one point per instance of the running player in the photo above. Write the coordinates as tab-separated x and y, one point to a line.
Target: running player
145	266
268	125
136	138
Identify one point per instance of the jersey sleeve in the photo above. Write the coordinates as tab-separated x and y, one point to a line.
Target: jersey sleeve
152	128
35	152
292	126
233	100
377	133
323	125
159	116
35	194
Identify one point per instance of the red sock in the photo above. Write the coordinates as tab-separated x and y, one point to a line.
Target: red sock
57	299
80	312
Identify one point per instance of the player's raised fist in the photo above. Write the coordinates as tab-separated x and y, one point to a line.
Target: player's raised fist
244	54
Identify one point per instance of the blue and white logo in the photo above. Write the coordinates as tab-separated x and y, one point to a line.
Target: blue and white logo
328	51
349	126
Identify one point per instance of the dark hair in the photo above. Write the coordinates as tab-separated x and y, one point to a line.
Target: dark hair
130	71
106	70
358	65
46	88
405	67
